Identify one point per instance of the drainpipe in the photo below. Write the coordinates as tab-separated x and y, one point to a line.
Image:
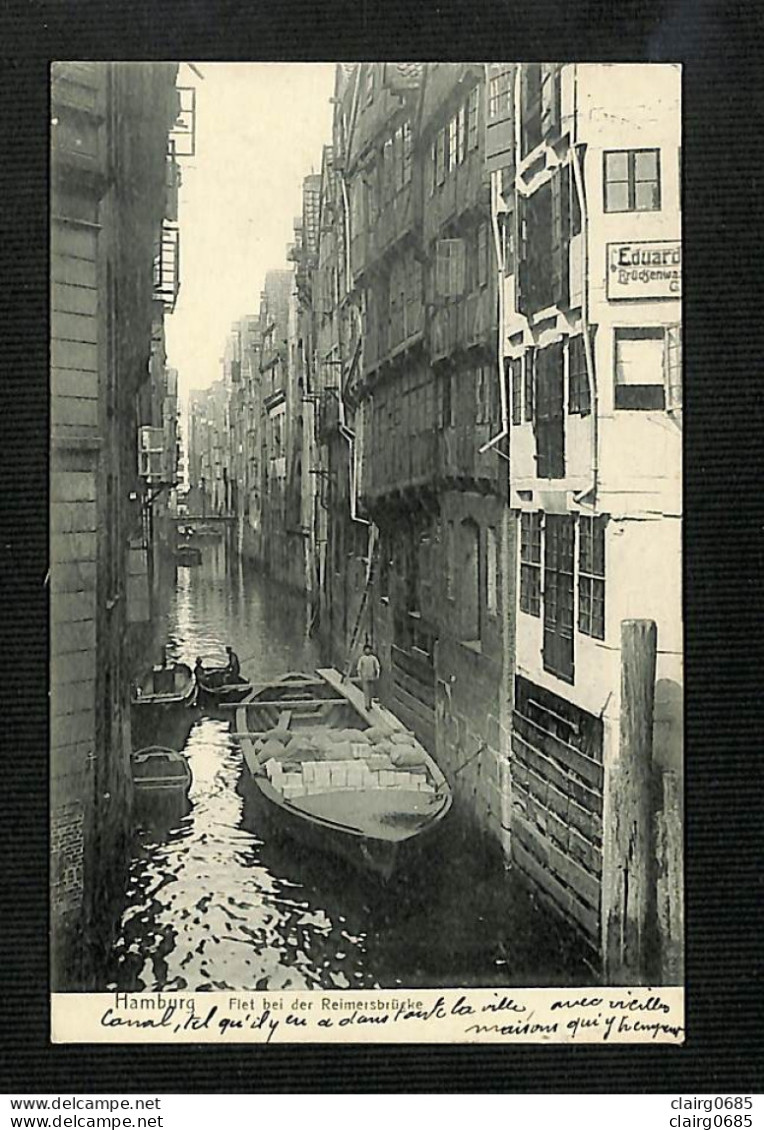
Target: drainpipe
500	350
579	181
347	433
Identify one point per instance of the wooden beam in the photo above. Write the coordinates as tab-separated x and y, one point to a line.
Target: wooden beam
628	892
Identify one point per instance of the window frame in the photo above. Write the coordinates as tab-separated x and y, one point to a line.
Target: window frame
591	576
531	558
579	392
491	570
559	596
516	368
473	119
648	397
631	181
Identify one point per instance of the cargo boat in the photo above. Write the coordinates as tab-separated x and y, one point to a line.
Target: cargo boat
350	782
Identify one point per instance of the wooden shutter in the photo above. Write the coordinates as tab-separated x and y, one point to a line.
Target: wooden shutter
550	101
550	415
560	235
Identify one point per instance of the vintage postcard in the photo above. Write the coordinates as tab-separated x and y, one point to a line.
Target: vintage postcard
366	515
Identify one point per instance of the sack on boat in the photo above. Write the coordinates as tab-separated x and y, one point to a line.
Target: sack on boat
377	733
272	748
355	736
402	737
407	755
280	734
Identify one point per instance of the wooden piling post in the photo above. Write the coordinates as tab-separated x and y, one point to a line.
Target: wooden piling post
628	887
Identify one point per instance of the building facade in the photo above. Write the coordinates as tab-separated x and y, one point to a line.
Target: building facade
111	152
589	202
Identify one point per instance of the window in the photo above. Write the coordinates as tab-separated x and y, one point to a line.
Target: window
440	158
500	94
550	418
632	180
591	577
516	376
407	152
579	396
482	255
530	119
492	569
530	564
461	134
453	148
469	580
550	100
449	268
639	368
473	110
673	366
529	385
558	595
434	161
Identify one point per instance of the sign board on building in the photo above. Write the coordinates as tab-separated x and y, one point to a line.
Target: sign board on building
648	269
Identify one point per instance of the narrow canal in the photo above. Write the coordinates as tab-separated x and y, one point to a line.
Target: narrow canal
212	903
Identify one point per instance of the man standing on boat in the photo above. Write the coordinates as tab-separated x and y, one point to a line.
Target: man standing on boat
368	673
233	667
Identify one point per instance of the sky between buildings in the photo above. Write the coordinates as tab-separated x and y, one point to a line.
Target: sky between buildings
260	129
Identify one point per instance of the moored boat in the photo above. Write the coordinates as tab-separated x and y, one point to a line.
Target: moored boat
162	703
158	769
218	687
351	782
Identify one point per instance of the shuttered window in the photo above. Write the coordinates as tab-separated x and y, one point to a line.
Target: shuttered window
473	112
492	569
530	86
449	268
559	564
529	384
482	255
550	418
579	396
550	100
453	142
516	378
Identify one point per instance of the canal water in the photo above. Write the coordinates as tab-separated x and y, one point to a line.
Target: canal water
214	902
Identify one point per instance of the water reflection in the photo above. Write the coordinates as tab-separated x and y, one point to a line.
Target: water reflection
217	901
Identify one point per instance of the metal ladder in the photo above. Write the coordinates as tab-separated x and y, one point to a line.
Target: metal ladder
370	570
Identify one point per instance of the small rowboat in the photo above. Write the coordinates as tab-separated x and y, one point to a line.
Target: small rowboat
351	782
162	701
219	687
157	769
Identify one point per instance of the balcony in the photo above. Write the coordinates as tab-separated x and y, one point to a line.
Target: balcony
167	266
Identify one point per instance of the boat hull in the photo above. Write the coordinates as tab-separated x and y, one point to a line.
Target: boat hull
159	770
376	829
166	717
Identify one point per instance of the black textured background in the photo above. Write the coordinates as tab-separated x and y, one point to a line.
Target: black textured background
718	41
